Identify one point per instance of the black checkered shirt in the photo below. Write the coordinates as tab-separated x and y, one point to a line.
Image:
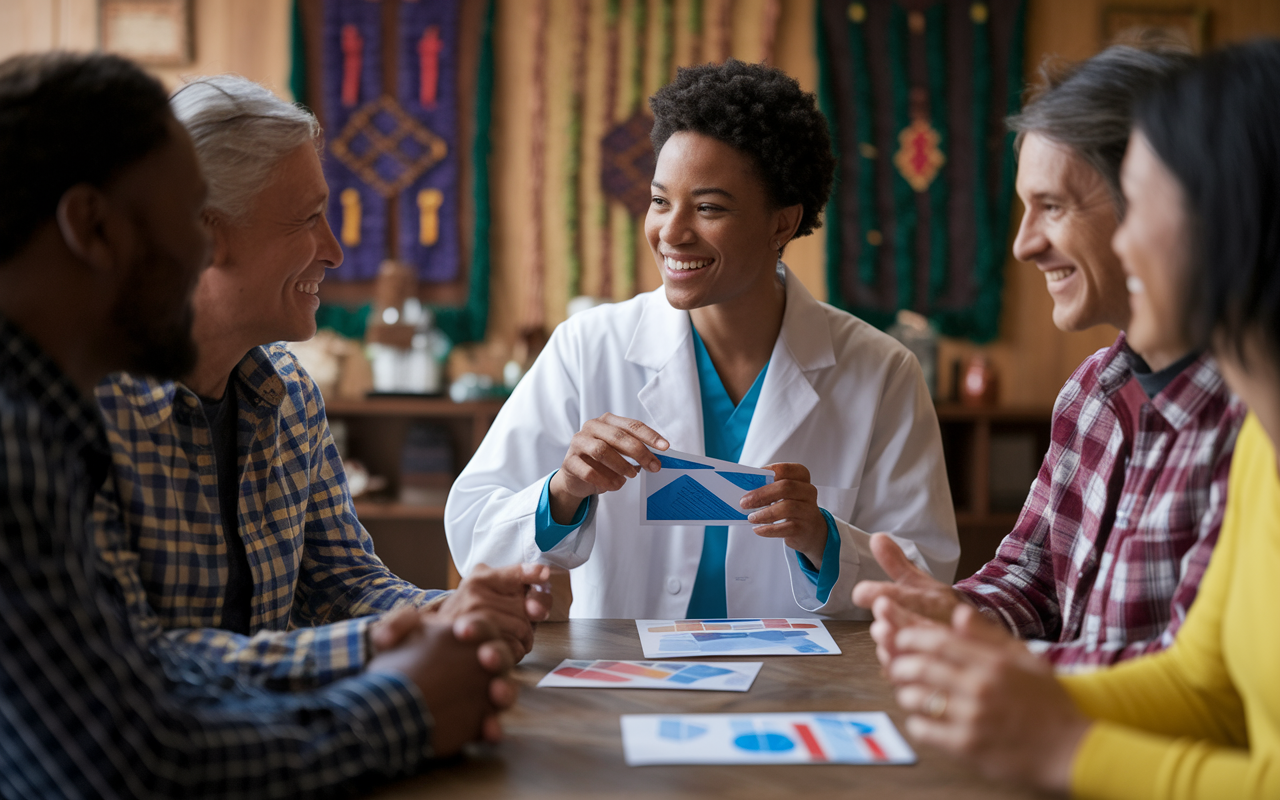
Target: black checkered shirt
84	712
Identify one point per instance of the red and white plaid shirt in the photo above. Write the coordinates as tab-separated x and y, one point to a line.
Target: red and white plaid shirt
1108	552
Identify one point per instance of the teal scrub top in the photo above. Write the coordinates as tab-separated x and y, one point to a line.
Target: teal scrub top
725	429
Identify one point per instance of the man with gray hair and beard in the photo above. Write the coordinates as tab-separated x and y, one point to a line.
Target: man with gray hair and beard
227	521
1107	555
101	244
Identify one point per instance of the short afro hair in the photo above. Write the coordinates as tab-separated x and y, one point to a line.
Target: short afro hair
762	112
66	119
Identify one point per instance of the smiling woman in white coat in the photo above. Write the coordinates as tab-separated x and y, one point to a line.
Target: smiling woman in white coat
734	359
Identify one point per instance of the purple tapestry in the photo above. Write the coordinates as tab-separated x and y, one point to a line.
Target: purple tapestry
392	147
429	207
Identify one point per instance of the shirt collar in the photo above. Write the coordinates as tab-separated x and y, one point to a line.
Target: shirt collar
1182	401
663	330
258	384
1186	396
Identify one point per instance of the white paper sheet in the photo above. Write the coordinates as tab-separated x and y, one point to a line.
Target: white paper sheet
720	676
787	738
696	490
680	638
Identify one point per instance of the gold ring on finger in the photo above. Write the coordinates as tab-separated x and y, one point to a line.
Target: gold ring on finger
936	704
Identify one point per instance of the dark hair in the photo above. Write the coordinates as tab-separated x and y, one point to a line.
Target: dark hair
1217	129
1088	105
762	112
67	119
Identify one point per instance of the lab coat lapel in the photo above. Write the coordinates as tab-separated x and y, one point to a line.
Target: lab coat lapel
787	396
662	343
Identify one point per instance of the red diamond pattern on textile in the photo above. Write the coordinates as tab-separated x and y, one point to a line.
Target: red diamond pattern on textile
628	162
918	157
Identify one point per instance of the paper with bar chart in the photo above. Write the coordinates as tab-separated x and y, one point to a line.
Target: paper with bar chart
681	638
787	738
724	676
696	490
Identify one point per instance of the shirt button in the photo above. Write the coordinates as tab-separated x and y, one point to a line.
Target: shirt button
673	585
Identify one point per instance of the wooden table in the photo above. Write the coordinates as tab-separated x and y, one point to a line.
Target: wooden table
567	743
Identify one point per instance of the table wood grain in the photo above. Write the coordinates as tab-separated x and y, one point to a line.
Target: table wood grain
567	743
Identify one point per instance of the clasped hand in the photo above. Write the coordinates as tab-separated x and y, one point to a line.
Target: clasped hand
971	688
458	652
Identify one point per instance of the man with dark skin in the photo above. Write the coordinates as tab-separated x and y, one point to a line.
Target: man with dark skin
101	245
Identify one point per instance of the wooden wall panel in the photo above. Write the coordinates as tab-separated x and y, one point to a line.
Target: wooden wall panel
251	37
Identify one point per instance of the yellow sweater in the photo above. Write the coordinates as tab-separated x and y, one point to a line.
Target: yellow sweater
1202	719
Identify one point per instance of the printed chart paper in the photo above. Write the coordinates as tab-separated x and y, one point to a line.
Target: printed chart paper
680	638
787	738
721	676
696	490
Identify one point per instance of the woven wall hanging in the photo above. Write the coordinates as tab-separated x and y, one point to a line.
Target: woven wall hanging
916	94
385	78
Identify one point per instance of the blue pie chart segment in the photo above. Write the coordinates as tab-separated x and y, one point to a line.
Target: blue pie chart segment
764	742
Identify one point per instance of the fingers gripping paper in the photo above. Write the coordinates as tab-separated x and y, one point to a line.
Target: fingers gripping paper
696	490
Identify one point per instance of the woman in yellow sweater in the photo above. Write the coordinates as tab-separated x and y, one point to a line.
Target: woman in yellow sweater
1202	181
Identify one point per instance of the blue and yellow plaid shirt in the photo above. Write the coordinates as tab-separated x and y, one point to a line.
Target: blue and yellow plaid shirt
159	527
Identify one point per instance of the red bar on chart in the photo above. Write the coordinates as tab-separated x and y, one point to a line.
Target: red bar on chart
632	669
810	742
874	748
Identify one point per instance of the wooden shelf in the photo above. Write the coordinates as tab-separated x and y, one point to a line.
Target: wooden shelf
954	412
382	510
969	519
967	434
376	431
411	407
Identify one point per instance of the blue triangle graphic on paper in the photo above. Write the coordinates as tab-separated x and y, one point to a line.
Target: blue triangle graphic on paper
678	730
679	463
685	498
744	480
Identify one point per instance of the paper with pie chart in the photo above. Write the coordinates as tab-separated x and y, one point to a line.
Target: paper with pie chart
721	676
682	638
786	738
696	490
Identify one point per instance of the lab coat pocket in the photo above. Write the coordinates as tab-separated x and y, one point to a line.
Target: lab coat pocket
839	502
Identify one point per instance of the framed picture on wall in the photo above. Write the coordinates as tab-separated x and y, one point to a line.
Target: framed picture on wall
1121	23
155	32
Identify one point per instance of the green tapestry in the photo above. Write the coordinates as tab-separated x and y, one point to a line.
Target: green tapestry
916	94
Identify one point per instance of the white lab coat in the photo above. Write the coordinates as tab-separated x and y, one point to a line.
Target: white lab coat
840	397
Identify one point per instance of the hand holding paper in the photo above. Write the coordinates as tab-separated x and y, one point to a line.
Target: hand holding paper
597	461
788	509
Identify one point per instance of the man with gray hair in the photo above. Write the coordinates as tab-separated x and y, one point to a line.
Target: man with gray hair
1116	533
101	244
226	521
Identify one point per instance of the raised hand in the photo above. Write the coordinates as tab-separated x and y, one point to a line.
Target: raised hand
912	588
978	693
790	511
597	461
460	669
